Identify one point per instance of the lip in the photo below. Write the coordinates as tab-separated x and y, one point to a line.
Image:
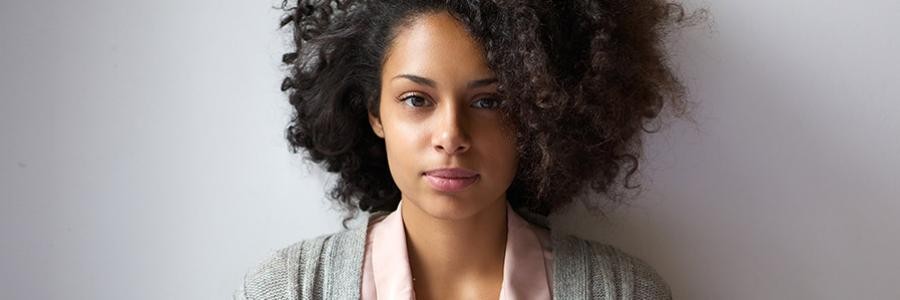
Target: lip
451	179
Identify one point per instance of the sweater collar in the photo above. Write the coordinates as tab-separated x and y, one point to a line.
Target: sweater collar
569	272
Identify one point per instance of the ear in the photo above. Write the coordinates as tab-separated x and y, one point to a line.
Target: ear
376	125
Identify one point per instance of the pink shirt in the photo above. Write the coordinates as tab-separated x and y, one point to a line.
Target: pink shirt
526	264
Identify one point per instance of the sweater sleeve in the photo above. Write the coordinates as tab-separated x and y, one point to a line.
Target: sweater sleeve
633	278
239	294
275	278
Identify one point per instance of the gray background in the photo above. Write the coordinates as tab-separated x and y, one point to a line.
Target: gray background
141	153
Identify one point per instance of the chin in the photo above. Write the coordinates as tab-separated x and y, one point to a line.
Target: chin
450	207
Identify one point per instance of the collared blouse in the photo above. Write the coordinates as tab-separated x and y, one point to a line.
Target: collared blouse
526	264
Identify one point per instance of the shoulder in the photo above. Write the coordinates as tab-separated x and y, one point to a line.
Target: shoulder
620	274
296	269
646	283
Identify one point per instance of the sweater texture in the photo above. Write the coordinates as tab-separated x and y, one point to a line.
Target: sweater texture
330	267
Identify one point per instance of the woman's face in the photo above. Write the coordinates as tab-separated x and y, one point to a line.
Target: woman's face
439	109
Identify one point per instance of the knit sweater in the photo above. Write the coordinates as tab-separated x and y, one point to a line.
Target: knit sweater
330	267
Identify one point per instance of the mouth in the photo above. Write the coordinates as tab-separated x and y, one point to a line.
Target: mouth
451	179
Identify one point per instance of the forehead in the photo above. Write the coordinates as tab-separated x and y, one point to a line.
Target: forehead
438	46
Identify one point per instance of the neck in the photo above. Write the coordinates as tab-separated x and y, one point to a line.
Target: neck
451	252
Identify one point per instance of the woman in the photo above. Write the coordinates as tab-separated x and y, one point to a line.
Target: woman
459	126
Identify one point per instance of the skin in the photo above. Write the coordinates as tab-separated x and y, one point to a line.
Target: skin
456	241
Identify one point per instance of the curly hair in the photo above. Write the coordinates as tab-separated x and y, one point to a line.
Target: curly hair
579	79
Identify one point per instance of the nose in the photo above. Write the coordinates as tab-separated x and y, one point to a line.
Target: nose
449	136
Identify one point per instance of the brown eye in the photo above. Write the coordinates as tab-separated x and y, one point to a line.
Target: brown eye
414	101
487	103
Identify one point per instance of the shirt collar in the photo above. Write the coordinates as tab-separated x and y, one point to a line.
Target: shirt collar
524	272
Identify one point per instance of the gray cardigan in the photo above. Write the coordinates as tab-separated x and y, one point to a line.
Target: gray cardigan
330	267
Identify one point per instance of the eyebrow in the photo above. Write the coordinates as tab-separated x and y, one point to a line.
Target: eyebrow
425	81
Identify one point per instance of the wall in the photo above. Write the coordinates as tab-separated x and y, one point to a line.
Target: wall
143	155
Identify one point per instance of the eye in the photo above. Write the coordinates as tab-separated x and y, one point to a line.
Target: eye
487	103
414	101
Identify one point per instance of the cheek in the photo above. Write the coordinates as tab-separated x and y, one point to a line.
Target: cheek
501	152
403	143
404	136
